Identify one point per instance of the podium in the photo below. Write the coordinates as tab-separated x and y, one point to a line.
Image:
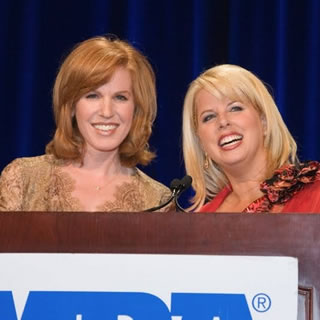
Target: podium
295	235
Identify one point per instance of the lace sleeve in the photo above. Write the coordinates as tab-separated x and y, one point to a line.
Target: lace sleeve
11	187
165	196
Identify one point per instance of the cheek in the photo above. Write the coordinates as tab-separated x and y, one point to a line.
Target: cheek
205	132
78	111
260	127
83	112
79	118
205	138
128	115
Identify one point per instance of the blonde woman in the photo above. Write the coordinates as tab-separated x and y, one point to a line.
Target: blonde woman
238	150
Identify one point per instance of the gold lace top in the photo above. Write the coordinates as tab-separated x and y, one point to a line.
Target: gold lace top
39	184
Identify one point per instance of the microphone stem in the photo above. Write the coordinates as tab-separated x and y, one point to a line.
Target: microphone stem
162	205
178	207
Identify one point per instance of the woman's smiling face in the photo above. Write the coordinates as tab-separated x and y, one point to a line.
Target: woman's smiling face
231	132
104	116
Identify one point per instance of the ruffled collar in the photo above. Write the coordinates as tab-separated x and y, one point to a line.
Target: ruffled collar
285	183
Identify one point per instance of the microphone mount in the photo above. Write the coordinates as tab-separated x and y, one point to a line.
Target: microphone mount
177	186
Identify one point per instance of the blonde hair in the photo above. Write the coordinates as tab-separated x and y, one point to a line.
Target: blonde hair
238	84
89	65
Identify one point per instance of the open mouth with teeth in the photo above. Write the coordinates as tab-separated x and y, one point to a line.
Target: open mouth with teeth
105	127
230	140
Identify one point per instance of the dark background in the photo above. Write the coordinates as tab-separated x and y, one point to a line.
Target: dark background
278	40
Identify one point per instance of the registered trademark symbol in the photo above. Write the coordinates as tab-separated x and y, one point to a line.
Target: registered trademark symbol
261	302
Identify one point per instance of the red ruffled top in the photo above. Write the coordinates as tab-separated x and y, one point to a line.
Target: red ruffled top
295	187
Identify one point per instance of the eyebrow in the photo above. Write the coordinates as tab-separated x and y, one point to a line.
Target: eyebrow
207	110
124	91
129	91
229	104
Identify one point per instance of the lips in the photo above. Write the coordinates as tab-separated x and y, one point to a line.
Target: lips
230	140
105	127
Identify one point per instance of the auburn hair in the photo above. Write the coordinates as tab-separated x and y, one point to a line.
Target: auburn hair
89	65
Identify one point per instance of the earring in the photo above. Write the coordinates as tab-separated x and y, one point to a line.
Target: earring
206	162
264	125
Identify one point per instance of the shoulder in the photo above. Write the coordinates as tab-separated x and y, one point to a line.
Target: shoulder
150	183
306	200
22	182
30	165
152	193
297	187
30	162
215	203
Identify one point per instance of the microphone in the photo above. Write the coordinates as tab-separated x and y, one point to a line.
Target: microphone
177	186
185	183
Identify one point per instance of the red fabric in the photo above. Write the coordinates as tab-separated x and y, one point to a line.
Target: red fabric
296	188
305	201
214	204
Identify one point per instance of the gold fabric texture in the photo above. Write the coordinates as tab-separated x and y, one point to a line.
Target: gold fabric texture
39	184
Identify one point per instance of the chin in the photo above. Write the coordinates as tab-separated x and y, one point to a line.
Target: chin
231	163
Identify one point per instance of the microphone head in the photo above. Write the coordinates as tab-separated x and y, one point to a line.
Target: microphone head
186	182
175	184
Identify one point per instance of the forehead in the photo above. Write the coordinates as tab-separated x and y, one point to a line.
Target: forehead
122	76
120	80
208	100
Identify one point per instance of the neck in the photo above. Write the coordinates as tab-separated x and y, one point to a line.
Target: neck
246	183
103	164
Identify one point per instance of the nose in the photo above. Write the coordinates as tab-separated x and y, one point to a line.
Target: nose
106	108
223	121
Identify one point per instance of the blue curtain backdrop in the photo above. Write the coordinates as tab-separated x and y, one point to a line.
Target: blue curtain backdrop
279	40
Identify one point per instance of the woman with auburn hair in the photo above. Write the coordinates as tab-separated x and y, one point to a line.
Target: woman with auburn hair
238	150
104	103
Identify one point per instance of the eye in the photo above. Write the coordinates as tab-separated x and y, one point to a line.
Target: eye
91	95
236	108
208	117
121	97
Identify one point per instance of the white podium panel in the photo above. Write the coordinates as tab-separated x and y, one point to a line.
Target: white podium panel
147	287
